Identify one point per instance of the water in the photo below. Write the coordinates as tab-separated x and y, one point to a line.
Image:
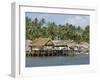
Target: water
57	61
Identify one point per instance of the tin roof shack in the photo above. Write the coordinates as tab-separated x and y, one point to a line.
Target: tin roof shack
28	45
60	45
84	47
42	44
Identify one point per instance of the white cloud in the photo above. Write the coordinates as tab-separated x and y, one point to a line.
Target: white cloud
78	20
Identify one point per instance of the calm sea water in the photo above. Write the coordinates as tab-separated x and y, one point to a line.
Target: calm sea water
57	61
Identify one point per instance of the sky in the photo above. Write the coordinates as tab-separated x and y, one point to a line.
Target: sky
77	20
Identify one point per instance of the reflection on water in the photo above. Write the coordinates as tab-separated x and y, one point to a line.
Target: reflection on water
57	61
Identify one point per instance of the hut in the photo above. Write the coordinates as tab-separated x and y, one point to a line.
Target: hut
42	44
28	45
72	45
60	45
84	47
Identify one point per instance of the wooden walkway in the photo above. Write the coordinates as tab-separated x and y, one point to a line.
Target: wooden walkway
52	53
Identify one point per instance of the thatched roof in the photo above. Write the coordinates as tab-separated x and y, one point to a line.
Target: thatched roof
71	44
40	42
59	43
84	44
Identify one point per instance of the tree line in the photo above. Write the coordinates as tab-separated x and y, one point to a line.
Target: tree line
40	28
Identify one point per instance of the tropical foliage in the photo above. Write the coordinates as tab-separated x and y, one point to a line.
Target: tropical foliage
40	28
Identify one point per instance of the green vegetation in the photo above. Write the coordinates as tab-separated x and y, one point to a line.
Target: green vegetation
40	28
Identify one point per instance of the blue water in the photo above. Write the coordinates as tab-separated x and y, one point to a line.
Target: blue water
57	61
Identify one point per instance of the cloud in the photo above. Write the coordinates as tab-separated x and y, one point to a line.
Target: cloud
78	20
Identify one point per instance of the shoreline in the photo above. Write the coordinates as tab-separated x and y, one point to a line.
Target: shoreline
54	53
